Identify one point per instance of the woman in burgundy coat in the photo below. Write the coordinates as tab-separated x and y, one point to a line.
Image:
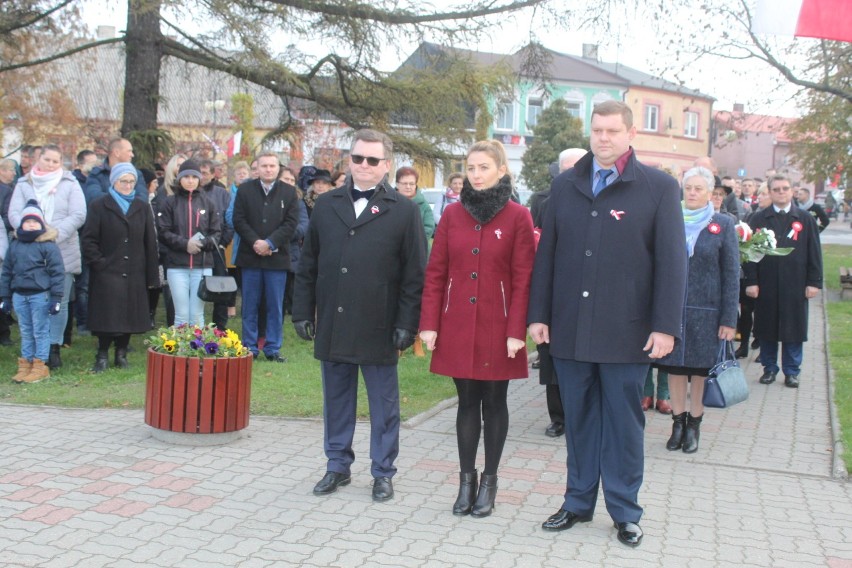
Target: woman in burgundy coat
474	312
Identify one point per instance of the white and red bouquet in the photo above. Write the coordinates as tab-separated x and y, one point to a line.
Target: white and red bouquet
754	245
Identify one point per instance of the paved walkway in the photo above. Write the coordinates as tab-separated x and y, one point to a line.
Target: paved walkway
82	488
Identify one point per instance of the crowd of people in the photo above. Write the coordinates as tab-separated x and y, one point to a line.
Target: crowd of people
613	272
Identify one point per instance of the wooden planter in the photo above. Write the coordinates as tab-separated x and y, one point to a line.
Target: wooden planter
190	394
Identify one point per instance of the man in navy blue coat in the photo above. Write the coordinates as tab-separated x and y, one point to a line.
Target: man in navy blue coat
119	150
607	294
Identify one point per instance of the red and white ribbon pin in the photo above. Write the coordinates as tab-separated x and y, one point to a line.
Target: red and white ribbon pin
498	232
794	231
616	214
374	209
714	228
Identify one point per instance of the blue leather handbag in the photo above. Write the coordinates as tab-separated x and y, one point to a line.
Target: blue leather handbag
726	384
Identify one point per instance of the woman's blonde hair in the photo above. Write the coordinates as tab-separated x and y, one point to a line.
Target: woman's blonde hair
493	148
171	171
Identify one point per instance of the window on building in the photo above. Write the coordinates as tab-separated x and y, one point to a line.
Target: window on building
690	124
575	109
534	108
504	118
652	118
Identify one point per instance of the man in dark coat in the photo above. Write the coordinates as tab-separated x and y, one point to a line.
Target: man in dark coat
266	212
607	294
361	273
783	285
97	184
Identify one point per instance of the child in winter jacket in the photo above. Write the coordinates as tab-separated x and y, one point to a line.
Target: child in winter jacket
32	281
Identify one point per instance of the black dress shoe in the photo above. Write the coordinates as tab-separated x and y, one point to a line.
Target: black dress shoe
629	533
564	520
741	352
535	364
554	430
791	381
330	482
768	378
382	489
276	358
755	343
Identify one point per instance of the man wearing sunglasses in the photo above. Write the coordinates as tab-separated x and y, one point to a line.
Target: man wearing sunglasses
358	286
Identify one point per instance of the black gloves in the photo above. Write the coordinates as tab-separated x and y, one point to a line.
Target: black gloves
6	306
54	308
304	329
402	339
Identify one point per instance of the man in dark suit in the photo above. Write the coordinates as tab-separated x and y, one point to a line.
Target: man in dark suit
782	285
266	212
607	294
360	278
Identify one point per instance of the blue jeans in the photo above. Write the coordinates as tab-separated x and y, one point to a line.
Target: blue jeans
256	281
183	283
60	320
791	357
34	324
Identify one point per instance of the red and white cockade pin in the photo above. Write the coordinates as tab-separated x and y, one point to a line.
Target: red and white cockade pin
796	228
616	214
498	232
374	209
714	228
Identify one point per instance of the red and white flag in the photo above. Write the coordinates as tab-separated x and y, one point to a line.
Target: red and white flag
234	144
824	19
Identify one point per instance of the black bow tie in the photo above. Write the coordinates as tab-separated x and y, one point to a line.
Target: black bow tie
356	194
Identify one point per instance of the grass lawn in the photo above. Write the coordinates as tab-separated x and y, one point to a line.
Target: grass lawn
289	389
840	343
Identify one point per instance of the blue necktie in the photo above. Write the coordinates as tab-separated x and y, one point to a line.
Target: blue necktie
602	177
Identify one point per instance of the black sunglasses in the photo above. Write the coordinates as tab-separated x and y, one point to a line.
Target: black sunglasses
358	159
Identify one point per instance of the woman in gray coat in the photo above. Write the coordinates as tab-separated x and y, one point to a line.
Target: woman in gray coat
710	311
59	195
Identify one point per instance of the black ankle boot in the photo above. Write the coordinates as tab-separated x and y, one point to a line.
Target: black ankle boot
121	358
693	432
678	427
467	493
101	361
484	505
54	361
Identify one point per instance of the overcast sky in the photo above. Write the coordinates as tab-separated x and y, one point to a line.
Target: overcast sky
630	43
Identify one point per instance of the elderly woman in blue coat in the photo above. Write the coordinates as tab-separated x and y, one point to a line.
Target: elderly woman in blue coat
710	312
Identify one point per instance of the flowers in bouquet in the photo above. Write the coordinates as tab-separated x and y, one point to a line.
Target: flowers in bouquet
754	245
193	341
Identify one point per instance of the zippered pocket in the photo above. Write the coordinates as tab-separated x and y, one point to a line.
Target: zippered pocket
449	287
503	291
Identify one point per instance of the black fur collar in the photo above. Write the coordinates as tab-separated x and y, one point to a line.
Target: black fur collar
484	205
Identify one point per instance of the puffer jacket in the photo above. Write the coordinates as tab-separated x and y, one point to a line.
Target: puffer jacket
69	214
181	216
32	268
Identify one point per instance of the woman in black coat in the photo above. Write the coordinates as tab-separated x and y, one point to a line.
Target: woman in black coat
119	245
710	311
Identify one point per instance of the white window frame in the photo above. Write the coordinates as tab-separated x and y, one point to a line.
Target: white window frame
652	118
690	124
500	113
539	104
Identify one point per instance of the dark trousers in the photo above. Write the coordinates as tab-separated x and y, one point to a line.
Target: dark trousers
791	356
340	397
81	298
604	426
746	318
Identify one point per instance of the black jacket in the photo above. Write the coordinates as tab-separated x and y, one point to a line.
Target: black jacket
273	217
361	277
222	198
181	216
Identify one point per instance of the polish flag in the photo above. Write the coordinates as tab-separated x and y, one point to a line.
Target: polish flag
234	144
824	19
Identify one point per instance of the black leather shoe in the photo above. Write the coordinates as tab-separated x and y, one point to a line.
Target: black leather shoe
768	378
330	482
741	352
564	520
791	381
276	358
382	489
629	533
555	430
535	364
755	343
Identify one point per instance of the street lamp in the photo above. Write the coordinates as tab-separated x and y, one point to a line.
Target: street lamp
214	106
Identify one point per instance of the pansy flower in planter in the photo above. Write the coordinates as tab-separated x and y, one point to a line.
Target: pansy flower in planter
193	341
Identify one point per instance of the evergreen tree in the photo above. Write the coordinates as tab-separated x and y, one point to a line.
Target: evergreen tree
556	130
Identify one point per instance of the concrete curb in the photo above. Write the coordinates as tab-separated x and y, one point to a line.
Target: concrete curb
838	466
419	419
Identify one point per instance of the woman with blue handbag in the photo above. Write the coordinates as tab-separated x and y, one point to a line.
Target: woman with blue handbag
710	311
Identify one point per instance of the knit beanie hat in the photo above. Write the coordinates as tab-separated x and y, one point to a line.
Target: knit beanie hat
33	211
188	168
121	169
